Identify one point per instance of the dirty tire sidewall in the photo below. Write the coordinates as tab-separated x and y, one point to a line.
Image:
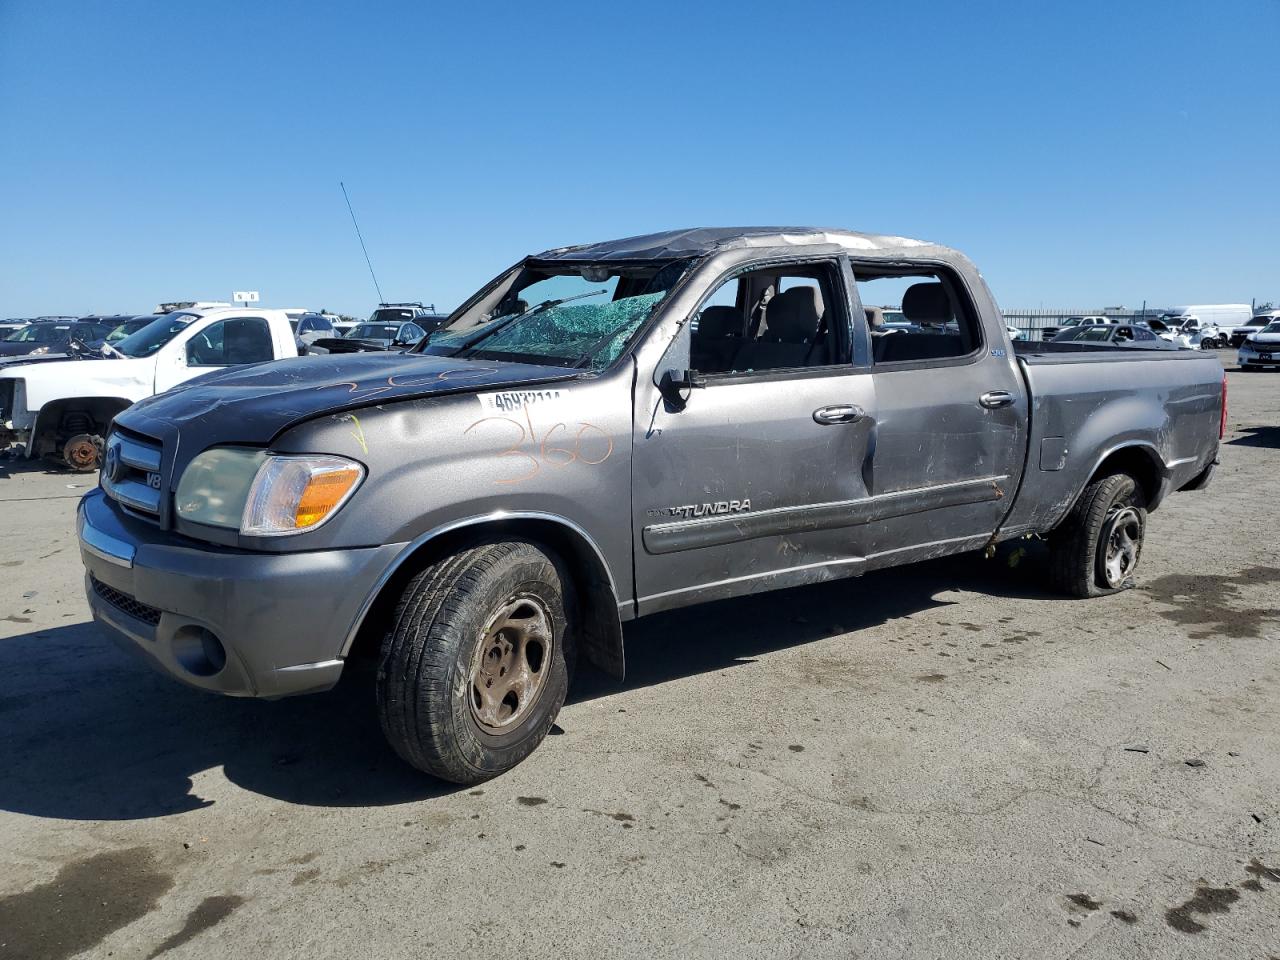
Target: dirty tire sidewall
423	682
1075	547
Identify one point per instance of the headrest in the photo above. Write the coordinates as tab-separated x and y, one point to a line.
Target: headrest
875	317
926	303
717	323
793	315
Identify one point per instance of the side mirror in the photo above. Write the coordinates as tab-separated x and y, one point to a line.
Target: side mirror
676	387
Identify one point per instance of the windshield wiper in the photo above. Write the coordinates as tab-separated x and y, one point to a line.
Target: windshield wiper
531	312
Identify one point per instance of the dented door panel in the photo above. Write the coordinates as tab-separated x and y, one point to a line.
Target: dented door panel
744	490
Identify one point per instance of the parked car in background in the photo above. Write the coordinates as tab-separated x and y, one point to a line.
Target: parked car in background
373	336
124	325
41	339
425	317
683	417
1192	332
62	408
1048	333
310	327
1223	317
1115	335
1014	332
1254	325
1261	349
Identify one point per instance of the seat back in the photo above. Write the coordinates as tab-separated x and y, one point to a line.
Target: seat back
716	340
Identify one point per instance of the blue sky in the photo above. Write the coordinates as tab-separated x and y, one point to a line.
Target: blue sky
1084	154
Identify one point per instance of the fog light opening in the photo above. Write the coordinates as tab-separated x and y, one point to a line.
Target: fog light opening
199	652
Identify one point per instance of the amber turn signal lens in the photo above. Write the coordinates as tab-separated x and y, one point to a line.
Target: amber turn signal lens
296	492
323	493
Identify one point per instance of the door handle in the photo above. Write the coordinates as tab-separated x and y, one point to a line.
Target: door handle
996	399
838	413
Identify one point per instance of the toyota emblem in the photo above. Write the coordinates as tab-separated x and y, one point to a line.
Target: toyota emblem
111	465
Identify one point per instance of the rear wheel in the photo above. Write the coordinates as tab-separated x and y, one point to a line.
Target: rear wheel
1095	551
476	666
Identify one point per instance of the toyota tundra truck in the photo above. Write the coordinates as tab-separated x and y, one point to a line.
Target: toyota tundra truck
608	431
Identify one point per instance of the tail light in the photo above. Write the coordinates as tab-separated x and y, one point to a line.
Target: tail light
1222	423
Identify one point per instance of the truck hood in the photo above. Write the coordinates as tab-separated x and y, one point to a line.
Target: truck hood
58	379
254	404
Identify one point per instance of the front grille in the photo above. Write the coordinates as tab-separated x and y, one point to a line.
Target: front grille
131	467
125	603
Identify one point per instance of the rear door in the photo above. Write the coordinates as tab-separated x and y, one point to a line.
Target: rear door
949	438
755	483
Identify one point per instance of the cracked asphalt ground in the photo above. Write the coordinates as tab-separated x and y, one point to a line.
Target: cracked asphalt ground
937	761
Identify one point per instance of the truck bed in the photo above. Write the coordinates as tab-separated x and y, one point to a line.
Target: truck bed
1162	407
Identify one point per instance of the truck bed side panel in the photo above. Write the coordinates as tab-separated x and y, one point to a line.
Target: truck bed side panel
1086	406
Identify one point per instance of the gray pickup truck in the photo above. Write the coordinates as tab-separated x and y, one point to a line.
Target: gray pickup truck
607	431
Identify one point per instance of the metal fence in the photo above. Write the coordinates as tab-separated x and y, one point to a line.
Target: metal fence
1032	322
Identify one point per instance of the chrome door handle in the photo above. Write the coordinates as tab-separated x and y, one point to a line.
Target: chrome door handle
838	413
995	399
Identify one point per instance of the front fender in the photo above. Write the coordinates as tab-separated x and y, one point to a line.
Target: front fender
602	642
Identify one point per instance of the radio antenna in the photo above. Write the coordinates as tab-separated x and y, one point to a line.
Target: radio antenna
361	239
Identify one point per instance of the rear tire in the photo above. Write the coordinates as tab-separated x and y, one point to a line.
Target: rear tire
1096	549
476	666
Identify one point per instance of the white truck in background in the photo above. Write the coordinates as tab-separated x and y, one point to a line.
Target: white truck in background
1208	325
63	408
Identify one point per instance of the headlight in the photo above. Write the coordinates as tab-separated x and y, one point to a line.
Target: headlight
296	493
265	495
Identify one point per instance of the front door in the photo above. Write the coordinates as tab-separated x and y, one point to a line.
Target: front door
749	486
224	343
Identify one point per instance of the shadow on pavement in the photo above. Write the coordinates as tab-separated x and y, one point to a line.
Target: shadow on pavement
1268	437
92	734
11	465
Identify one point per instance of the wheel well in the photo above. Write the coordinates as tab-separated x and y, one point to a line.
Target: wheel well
1139	463
99	411
593	593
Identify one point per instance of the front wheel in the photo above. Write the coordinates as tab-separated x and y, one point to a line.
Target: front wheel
476	666
1095	551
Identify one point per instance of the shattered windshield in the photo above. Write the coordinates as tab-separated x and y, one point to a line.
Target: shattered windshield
154	335
566	314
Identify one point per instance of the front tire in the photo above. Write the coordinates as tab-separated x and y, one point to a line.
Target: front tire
1095	551
476	666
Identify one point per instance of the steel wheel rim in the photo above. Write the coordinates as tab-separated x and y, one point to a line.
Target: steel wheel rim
1122	544
511	664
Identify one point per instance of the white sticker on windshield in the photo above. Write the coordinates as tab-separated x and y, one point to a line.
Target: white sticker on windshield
508	401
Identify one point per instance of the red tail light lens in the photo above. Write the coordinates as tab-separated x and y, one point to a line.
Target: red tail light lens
1222	424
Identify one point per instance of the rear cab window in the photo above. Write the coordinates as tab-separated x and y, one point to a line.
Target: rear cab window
939	322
